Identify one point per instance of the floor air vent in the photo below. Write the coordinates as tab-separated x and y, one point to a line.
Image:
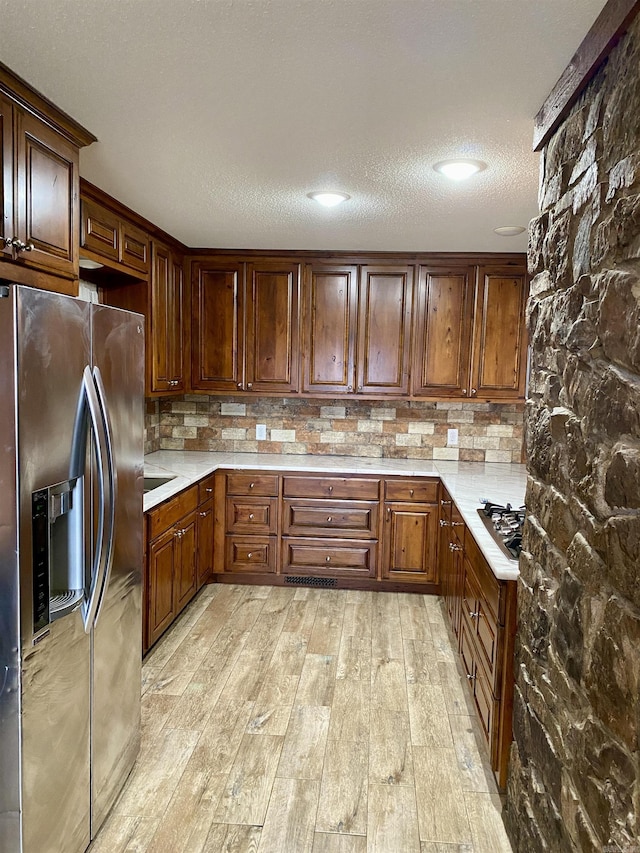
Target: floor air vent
307	581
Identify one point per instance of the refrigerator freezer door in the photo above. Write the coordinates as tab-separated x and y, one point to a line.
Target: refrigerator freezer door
52	347
118	354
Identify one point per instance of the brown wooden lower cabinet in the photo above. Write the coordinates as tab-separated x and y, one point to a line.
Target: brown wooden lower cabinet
179	557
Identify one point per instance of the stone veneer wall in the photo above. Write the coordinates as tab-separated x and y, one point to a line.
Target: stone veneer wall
392	429
574	781
152	426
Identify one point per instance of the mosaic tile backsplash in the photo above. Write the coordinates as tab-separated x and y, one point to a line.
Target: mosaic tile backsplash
487	432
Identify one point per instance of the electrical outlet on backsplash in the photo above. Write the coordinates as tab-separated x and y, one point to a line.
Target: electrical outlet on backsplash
395	429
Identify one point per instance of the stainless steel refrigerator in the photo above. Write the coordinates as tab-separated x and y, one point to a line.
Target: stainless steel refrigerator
71	474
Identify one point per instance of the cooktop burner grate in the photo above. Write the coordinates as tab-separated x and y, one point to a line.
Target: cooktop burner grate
505	524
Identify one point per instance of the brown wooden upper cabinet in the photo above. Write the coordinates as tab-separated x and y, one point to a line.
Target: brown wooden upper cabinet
165	348
39	150
500	340
357	329
107	236
470	339
244	325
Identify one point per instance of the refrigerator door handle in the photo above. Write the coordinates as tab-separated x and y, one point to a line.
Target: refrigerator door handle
100	448
110	495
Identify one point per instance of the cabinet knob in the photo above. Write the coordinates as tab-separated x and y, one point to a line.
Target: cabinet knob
250	516
178	534
239	385
330	488
208	490
19	246
464	392
473	615
474	391
411	492
6	241
444	523
203	514
251	485
359	387
471	677
249	555
349	387
249	386
327	559
329	518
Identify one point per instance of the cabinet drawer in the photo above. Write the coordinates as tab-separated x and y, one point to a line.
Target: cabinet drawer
329	557
247	554
164	516
421	491
252	484
342	488
358	519
480	621
486	580
205	488
134	247
252	515
486	704
99	230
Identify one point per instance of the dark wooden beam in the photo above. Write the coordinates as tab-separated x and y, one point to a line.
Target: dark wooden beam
610	25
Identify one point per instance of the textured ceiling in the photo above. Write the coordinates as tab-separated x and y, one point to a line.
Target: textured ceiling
216	117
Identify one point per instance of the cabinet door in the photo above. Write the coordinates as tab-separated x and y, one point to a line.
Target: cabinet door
6	179
166	321
410	534
47	196
499	368
162	557
134	247
217	327
330	328
442	333
204	560
384	330
99	230
185	582
272	346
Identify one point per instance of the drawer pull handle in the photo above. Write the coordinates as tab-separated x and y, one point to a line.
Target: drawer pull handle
474	615
446	503
471	677
250	516
329	518
203	514
208	490
327	559
457	523
454	547
411	492
444	523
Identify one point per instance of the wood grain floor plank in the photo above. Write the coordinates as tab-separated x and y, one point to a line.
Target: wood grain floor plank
156	708
457	695
428	716
414	620
386	639
245	677
330	842
344	789
390	755
358	613
327	627
442	815
273	705
171	682
392	824
220	740
436	847
302	755
156	774
175	826
246	795
442	643
300	617
473	759
388	684
125	835
420	662
350	711
232	839
317	680
290	820
354	658
487	829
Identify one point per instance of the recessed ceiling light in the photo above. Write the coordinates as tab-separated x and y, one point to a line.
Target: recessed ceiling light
88	264
509	230
458	170
328	199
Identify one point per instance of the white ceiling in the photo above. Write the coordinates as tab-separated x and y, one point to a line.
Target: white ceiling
216	117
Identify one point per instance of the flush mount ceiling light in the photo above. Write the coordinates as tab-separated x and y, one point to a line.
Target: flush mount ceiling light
328	199
509	230
88	264
459	170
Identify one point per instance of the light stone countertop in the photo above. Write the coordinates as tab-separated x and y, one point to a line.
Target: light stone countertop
467	482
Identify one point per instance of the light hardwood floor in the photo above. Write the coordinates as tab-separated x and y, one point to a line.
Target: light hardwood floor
281	720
